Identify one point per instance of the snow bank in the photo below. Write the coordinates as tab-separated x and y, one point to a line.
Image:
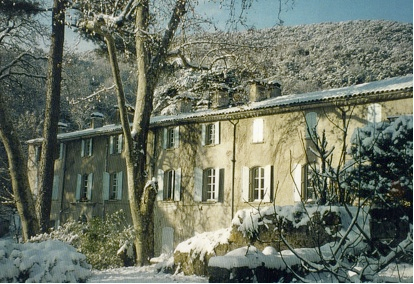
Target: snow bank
205	243
49	261
249	220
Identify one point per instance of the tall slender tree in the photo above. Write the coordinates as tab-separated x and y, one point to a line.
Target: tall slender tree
52	111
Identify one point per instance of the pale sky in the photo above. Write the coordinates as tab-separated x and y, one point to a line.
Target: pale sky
263	13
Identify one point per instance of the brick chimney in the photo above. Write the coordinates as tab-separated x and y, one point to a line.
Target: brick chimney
97	120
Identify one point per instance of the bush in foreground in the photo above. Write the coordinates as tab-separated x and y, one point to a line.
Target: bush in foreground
48	261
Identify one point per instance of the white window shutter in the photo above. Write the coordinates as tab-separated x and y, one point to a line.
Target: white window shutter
198	184
374	113
160	179
176	137
61	150
90	146
217	184
111	145
78	187
258	130
120	143
177	185
297	182
83	148
165	138
311	122
105	186
267	183
119	178
89	191
203	134
55	191
245	184
217	134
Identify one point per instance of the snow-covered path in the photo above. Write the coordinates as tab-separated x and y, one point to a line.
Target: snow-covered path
146	274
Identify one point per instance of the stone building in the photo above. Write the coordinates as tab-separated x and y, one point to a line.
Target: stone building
213	162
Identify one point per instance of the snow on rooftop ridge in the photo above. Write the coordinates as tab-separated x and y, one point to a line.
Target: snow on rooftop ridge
392	84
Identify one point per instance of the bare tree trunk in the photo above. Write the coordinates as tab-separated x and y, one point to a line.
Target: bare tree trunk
142	197
52	111
18	173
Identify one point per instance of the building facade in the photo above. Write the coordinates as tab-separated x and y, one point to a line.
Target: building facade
211	163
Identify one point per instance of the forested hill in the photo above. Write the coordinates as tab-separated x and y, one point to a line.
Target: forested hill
303	58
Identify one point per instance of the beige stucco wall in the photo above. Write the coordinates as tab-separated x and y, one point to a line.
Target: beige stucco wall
282	147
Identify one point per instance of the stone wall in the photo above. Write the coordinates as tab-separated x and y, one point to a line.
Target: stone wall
319	229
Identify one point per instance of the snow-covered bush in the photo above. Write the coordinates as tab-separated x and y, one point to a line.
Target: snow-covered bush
48	261
382	163
105	243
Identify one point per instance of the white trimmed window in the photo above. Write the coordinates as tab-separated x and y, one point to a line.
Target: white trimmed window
210	134
208	184
115	144
169	185
171	137
86	150
257	184
308	182
84	187
311	122
112	185
258	130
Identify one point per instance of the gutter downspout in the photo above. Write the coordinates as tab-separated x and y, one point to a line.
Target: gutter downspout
233	160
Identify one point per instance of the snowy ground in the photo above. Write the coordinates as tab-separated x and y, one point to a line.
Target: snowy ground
146	274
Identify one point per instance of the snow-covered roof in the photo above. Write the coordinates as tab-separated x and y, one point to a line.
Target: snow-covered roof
384	86
404	83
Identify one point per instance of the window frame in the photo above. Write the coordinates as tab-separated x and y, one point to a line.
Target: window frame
171	137
209	185
249	187
311	124
116	144
87	147
84	186
210	134
170	178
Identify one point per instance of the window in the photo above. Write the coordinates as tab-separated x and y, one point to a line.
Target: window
311	122
84	187
258	130
171	137
374	113
115	144
308	182
209	184
257	185
210	134
86	147
112	186
169	185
